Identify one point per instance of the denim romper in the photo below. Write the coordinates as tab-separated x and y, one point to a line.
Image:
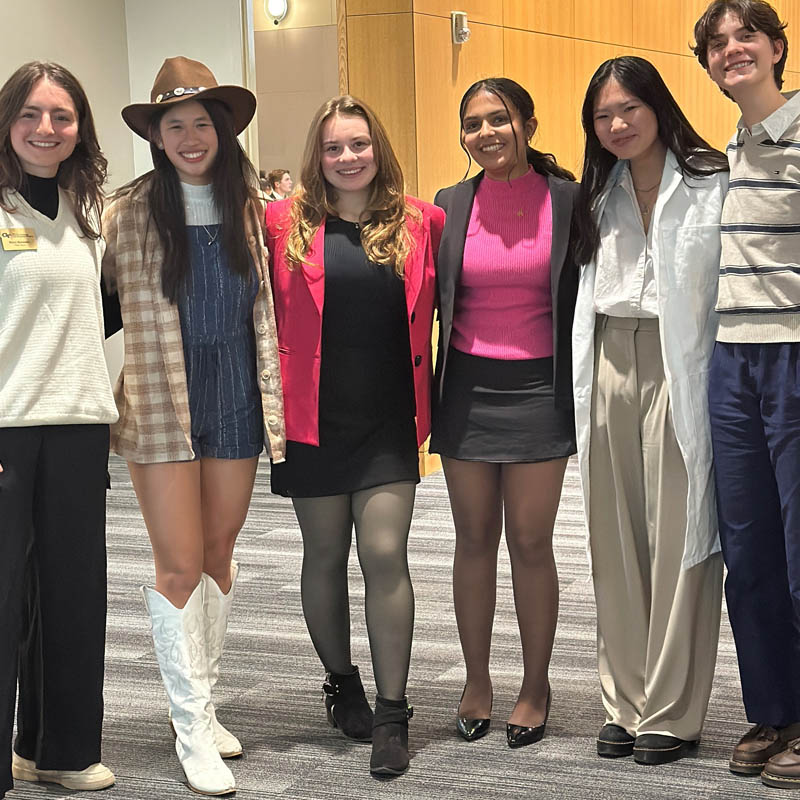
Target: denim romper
219	349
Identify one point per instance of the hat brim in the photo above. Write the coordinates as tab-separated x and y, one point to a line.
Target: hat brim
241	103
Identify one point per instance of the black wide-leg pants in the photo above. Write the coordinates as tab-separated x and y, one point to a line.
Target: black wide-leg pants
52	594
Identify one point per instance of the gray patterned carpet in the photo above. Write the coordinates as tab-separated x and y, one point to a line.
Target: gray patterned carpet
269	694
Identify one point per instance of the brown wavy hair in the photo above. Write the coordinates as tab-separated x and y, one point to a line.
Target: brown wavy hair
83	173
384	237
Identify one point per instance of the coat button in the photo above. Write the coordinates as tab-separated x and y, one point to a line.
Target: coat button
417	360
262	328
265	375
272	419
413	315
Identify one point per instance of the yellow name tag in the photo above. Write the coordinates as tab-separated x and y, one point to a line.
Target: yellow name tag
18	238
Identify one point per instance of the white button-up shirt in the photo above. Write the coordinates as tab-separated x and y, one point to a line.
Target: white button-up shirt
625	285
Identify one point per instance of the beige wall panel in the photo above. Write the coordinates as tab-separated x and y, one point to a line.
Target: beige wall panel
659	25
791	81
609	21
487	11
545	66
548	16
377	6
291	87
390	89
441	162
712	115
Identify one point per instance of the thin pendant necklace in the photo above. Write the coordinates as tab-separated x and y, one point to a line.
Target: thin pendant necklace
211	239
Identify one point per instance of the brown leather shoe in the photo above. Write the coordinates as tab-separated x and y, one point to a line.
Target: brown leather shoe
755	748
783	770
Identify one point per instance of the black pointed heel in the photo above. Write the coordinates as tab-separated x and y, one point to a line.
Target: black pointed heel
471	729
521	735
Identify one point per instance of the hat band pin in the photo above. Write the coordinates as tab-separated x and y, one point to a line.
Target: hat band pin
179	92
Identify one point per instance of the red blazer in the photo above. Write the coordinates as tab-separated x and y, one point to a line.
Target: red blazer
299	296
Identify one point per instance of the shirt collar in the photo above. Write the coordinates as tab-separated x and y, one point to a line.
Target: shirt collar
778	121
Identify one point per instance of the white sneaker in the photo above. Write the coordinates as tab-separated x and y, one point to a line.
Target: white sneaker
96	776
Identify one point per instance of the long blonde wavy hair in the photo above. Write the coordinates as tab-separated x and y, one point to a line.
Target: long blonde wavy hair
384	236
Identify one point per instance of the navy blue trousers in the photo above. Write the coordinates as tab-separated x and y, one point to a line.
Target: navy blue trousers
754	403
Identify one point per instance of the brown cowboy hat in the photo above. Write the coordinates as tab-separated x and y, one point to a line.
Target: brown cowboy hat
180	78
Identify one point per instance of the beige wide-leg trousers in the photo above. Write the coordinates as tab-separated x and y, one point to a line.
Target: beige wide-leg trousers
657	624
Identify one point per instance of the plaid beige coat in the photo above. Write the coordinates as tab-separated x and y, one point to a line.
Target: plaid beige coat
151	393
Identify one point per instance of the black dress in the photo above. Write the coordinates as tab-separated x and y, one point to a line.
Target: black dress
367	434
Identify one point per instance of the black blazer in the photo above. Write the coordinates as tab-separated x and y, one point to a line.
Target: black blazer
457	203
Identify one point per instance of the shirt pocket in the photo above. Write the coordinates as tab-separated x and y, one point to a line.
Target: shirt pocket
690	256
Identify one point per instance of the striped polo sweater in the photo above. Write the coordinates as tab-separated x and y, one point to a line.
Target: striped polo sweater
759	284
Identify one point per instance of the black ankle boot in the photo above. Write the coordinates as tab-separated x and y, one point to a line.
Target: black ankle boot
390	736
347	706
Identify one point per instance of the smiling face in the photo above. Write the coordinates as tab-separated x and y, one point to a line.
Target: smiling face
625	126
46	130
739	59
348	163
188	138
487	131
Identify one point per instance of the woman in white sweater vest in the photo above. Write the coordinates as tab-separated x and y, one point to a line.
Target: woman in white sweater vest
55	409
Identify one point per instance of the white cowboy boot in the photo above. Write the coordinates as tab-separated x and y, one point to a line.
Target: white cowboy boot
217	608
179	639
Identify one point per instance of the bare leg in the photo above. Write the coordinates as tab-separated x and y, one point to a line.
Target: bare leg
477	505
382	518
326	525
531	493
226	489
169	497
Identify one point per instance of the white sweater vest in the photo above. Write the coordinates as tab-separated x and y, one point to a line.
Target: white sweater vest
52	367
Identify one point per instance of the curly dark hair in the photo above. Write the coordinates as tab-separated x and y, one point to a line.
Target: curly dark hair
756	15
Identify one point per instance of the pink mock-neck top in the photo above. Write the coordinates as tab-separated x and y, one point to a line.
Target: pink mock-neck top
503	306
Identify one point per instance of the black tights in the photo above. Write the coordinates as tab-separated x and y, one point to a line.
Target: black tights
382	517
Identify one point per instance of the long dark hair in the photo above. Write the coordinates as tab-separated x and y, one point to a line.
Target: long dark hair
83	173
508	91
694	155
235	186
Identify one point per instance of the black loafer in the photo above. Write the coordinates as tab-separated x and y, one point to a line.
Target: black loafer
654	748
614	741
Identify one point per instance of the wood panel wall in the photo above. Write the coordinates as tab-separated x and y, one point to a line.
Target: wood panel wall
400	59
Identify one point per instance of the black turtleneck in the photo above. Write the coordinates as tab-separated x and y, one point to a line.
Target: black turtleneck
41	194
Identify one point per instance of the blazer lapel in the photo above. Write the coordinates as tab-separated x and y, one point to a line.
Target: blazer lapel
415	263
451	248
561	214
314	272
